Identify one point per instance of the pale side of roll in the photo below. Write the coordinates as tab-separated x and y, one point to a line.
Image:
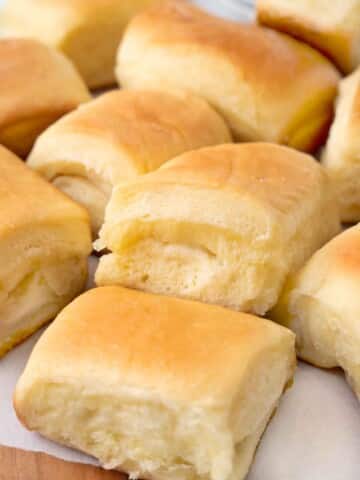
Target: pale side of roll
333	27
222	225
321	303
159	388
341	156
45	242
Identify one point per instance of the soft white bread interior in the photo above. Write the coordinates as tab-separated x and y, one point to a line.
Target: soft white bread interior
267	86
321	303
38	85
118	136
44	244
341	156
333	27
160	388
87	31
222	225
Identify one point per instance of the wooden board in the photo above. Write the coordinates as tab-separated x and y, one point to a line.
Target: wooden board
19	465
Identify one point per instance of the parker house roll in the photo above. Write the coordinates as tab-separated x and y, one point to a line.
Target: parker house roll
321	303
119	136
267	86
44	243
37	86
160	388
342	154
222	225
87	31
331	26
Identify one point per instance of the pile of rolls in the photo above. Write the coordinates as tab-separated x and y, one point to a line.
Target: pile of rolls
213	186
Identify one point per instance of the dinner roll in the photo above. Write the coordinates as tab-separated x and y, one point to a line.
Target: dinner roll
119	136
44	244
222	225
37	86
158	387
331	26
321	303
266	85
87	31
341	156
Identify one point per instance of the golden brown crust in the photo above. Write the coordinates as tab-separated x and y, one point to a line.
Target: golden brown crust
278	83
153	342
278	183
38	85
247	46
147	127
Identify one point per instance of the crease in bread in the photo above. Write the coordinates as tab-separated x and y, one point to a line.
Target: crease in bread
87	31
341	156
223	225
44	242
266	85
119	136
38	85
331	27
159	387
36	298
321	304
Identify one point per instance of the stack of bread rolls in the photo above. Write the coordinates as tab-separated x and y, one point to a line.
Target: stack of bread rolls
219	235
